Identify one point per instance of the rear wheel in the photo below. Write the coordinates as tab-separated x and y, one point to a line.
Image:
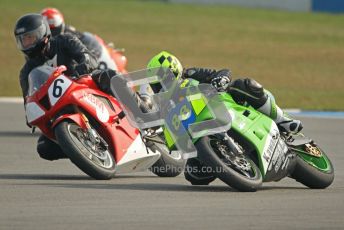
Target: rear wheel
88	151
314	171
229	165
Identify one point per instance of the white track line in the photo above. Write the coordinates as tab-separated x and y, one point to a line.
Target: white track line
291	111
16	100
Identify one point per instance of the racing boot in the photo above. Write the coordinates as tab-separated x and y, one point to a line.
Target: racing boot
145	103
49	150
103	79
284	123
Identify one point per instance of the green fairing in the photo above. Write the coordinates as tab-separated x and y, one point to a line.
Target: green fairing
168	138
254	128
322	163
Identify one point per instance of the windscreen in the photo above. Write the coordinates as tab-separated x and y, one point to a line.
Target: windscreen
38	76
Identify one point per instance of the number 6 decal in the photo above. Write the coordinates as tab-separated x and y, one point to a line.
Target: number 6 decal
58	88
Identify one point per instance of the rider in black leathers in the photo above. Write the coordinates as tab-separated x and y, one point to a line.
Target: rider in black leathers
34	39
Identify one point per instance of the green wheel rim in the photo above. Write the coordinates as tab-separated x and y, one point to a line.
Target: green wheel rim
321	163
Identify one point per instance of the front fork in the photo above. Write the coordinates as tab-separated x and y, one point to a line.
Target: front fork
92	135
237	150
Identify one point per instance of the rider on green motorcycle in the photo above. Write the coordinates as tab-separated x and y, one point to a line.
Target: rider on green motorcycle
243	91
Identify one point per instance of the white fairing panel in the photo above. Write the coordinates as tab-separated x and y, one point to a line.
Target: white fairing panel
58	88
137	158
270	145
33	111
105	60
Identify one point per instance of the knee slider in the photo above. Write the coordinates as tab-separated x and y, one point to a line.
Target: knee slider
49	150
104	79
44	152
257	91
237	90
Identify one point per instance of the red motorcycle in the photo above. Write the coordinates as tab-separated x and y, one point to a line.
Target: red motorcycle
90	126
107	56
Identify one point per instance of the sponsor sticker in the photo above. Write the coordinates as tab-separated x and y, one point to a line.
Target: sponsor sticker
101	110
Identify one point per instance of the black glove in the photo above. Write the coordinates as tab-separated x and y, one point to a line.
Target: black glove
103	78
80	69
221	80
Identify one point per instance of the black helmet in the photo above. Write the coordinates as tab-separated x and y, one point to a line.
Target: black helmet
31	31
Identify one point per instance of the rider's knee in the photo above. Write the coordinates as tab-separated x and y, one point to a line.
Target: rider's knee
248	91
103	79
49	150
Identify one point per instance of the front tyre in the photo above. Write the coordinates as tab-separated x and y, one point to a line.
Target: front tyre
235	169
313	172
170	164
196	173
93	159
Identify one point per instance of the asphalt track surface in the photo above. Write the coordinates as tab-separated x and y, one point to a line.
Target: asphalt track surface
38	194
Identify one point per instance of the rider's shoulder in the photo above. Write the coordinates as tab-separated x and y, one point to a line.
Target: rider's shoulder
64	40
70	28
65	36
33	62
29	65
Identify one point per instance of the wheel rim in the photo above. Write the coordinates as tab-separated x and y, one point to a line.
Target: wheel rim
238	162
95	152
322	163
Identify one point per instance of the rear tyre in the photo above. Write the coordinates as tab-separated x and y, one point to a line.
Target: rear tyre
234	169
94	160
313	172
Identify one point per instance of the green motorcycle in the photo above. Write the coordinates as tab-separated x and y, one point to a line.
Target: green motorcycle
250	152
253	150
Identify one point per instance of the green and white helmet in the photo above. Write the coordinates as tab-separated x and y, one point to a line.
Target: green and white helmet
167	60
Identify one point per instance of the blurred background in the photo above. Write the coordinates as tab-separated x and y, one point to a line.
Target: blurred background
295	50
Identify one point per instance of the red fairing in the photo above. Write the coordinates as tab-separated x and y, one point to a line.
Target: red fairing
84	95
120	60
77	118
116	55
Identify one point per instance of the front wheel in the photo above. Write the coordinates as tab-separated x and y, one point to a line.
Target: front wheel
313	171
232	167
93	158
196	173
